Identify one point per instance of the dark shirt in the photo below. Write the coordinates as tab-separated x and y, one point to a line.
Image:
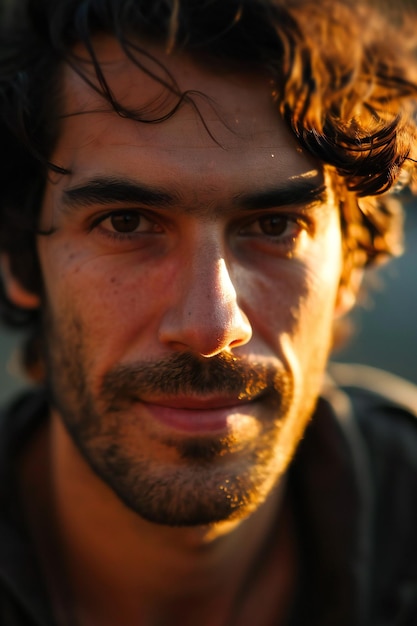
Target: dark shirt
353	483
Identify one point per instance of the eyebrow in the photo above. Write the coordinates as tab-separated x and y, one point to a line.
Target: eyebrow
115	190
108	191
297	191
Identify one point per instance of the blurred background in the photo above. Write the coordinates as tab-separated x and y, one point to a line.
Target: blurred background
386	322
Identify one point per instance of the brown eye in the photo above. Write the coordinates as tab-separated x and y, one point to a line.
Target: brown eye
274	225
125	222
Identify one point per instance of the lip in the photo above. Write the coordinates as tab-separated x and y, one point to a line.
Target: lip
203	404
199	416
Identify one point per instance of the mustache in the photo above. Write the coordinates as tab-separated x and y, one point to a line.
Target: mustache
188	375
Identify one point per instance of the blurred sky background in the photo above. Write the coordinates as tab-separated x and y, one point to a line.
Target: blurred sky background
386	335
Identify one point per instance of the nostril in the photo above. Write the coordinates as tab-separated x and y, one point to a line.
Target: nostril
236	343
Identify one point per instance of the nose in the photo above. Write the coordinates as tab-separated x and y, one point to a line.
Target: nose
206	317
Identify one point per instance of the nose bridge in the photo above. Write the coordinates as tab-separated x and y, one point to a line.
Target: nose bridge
212	283
207	318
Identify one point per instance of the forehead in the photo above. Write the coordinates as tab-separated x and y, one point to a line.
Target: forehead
227	128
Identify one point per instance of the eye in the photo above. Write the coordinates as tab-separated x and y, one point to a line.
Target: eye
125	222
273	226
128	222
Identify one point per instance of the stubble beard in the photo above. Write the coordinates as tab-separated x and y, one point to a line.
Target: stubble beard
199	488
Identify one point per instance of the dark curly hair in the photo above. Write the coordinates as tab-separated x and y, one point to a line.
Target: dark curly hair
342	82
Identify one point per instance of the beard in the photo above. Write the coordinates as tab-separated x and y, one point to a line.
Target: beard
168	479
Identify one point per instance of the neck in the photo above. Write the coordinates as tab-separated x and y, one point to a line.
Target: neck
89	542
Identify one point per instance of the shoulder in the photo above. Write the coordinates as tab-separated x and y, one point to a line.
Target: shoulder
23	411
384	405
384	408
18	421
22	596
375	383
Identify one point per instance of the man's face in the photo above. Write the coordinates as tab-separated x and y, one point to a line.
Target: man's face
190	286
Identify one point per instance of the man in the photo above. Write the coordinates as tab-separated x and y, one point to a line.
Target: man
182	224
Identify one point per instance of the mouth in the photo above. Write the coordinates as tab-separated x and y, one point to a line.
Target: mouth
202	403
199	416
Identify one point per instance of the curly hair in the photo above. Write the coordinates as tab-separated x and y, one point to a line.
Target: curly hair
346	91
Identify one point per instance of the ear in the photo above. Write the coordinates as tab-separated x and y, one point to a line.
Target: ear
348	292
15	291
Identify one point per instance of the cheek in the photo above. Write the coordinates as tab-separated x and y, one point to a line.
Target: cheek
114	299
315	311
295	298
291	299
273	300
283	290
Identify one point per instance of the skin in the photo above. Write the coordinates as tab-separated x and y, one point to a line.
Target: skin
235	295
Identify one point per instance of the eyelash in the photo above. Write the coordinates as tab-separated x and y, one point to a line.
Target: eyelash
122	236
284	222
